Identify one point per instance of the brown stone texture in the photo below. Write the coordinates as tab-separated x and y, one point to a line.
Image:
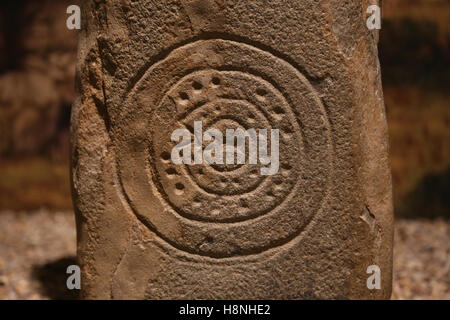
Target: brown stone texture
149	229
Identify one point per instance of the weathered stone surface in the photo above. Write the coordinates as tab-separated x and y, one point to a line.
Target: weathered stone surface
148	228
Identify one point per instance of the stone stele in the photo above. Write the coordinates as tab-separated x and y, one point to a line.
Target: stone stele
150	229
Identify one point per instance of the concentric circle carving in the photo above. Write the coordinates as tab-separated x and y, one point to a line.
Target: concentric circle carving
223	210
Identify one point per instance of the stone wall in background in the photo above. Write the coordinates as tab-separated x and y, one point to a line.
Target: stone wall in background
414	43
37	61
415	59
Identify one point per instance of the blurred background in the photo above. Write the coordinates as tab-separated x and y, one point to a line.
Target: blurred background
37	63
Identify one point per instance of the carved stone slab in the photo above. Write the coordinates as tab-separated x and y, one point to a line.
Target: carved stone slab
150	228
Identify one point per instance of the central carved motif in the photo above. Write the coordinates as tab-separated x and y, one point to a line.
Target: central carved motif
223	210
226	192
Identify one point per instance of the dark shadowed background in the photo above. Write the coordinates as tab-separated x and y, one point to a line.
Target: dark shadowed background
37	63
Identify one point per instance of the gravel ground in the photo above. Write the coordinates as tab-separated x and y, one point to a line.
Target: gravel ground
422	259
36	248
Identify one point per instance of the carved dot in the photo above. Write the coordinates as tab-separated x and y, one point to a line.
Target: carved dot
179	186
197	85
278	181
288	130
261	92
165	156
171	172
278	110
184	96
216	81
285	169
